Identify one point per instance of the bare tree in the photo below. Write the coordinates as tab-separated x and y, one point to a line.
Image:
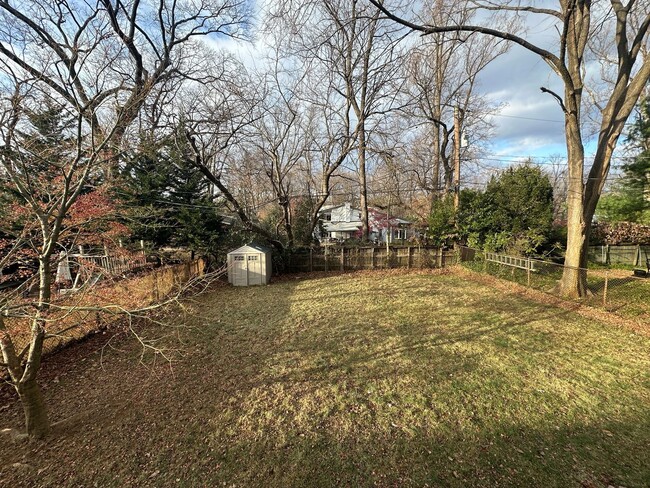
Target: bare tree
48	182
442	73
99	62
362	54
280	136
220	120
581	25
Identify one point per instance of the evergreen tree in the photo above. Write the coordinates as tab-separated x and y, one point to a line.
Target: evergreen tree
145	185
629	200
198	225
514	214
168	200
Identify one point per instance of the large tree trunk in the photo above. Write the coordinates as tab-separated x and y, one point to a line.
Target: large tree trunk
573	283
37	422
23	377
286	217
435	179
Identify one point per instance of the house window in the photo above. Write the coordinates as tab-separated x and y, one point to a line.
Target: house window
252	258
400	234
327	217
239	258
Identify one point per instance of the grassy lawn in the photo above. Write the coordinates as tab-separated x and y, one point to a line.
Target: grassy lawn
364	379
627	296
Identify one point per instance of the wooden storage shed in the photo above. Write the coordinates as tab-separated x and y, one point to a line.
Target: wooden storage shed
249	265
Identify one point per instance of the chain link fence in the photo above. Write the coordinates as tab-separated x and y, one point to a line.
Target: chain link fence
624	292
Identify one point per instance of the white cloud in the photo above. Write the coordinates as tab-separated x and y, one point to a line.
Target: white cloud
530	120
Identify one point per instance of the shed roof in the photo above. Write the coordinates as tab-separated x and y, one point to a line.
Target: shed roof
250	248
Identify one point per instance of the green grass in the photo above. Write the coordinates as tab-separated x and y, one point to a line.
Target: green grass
627	296
369	379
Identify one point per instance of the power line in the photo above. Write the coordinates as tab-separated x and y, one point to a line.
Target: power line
527	118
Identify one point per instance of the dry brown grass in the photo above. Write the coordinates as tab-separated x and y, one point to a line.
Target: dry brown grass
358	379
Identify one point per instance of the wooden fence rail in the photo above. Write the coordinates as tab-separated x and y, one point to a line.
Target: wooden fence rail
358	258
113	265
513	261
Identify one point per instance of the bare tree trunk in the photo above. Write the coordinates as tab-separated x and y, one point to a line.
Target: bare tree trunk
23	377
286	217
37	422
435	179
574	277
363	185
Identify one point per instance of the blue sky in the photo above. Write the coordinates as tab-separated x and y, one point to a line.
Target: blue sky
530	123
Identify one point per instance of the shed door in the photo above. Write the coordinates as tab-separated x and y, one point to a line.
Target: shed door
254	269
239	274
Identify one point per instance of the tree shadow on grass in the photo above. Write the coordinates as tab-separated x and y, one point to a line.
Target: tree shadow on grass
414	339
551	454
262	399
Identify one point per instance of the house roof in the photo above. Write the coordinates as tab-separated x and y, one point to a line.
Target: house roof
375	213
402	221
326	208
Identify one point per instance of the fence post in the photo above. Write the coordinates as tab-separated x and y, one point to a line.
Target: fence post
372	258
311	260
408	254
605	288
342	258
326	257
439	257
528	265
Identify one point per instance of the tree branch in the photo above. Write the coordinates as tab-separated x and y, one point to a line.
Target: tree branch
549	57
244	218
556	96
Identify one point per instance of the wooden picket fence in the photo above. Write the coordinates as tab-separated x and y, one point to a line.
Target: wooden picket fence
358	258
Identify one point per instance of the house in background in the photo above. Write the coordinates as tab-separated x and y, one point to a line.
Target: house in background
341	222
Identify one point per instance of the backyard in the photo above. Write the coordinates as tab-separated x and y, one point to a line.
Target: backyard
382	378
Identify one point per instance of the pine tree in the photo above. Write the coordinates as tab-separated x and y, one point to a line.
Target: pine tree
145	184
168	200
